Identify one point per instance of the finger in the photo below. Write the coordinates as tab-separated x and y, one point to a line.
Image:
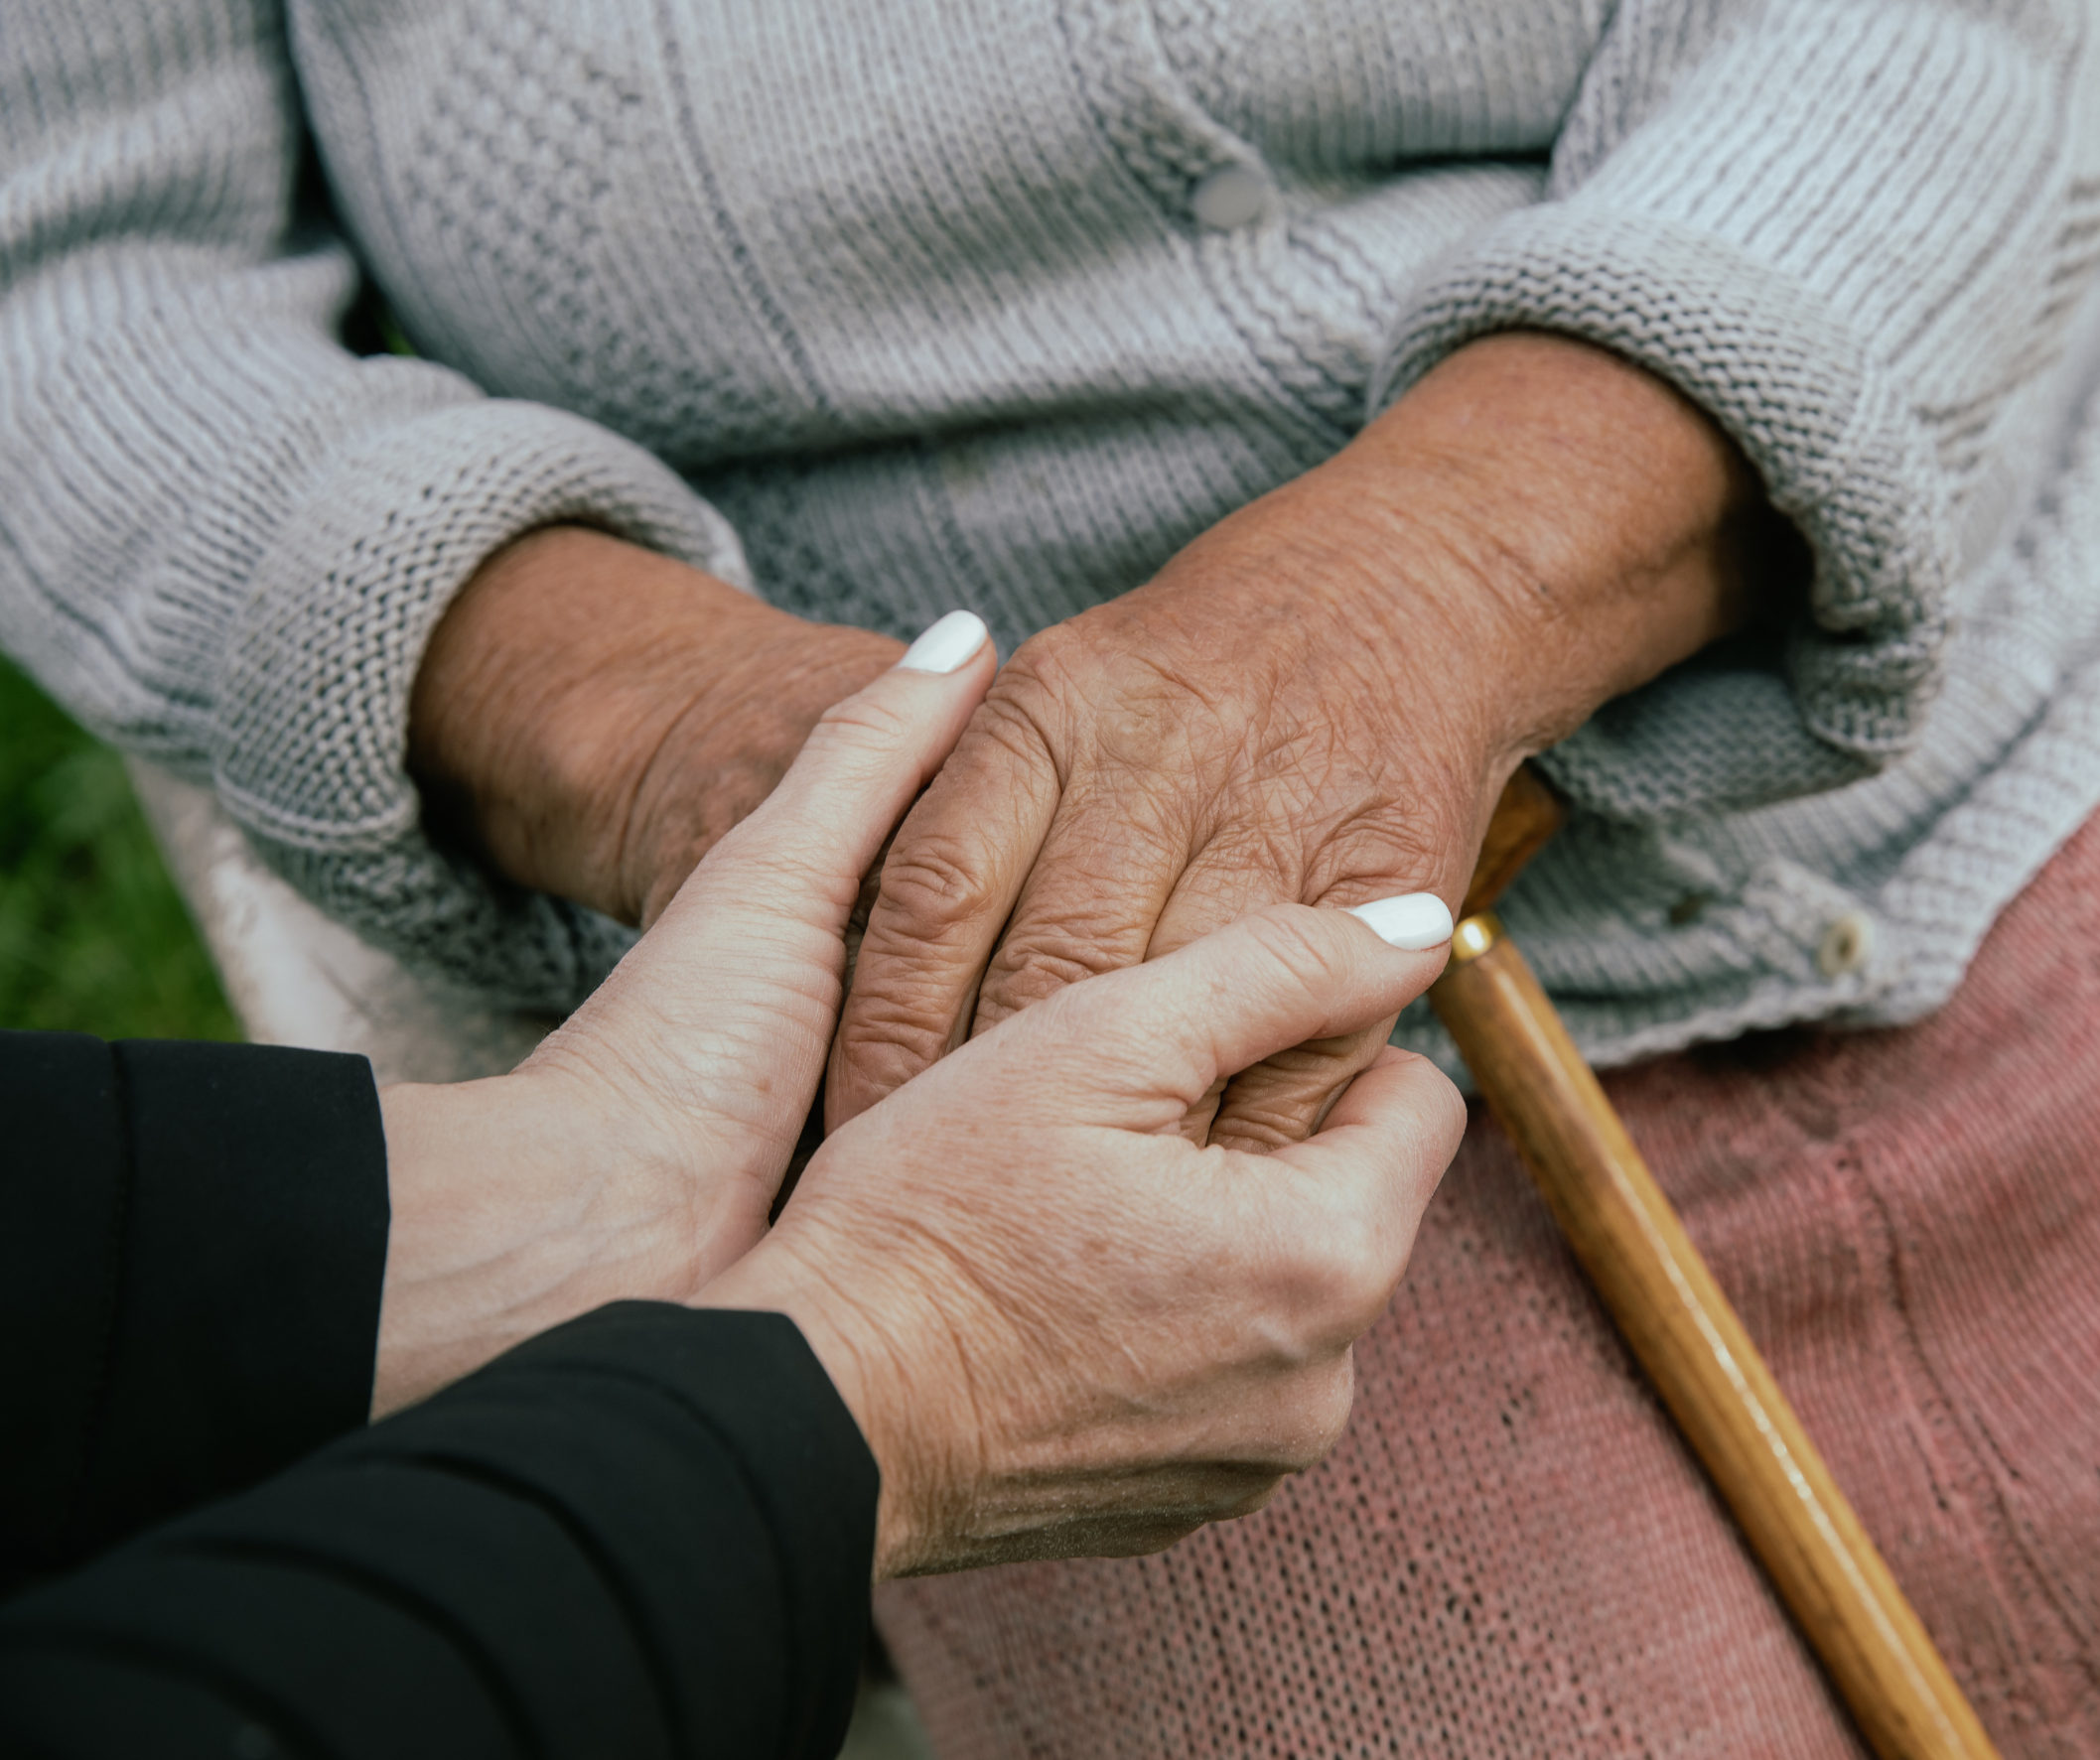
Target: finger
808	847
1397	1086
1370	1175
1225	880
947	885
1138	1047
1092	898
1283	1098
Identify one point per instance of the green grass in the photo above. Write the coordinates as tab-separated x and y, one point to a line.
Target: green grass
93	936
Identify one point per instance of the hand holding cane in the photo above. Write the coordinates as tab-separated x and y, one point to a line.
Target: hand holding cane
1681	1327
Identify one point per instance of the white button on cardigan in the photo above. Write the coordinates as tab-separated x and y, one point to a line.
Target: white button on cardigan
1231	195
1848	944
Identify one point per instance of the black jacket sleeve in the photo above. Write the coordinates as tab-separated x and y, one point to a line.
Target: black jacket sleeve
192	1239
646	1533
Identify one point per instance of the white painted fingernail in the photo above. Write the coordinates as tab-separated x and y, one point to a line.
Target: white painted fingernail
947	645
1414	920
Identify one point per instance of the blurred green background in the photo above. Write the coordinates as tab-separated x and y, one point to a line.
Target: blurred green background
93	936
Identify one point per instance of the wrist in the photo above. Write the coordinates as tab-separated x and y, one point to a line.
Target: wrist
1570	525
899	1395
518	1202
590	716
767	683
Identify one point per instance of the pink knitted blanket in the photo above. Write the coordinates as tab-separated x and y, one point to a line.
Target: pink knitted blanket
1512	1554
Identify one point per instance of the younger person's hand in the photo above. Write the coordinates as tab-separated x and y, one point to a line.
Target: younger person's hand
1063	1328
637	1152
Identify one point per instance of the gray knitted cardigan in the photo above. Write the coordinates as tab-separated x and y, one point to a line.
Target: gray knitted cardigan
887	307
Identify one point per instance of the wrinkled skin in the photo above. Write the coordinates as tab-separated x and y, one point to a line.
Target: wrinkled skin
638	1151
592	717
1316	702
1127	788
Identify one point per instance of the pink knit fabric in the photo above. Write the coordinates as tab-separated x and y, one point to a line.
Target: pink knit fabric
1510	1552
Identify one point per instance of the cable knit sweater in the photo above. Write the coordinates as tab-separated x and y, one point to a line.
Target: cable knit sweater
886	308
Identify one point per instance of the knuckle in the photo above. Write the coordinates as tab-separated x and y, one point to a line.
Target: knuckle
1052	661
868	717
1282	1100
1013	990
1329	1415
902	1004
1049	957
1256	1128
885	1043
930	884
1447	1118
1308	1415
888	1018
1343	1265
1018	717
1363	1297
1386	845
1437	1113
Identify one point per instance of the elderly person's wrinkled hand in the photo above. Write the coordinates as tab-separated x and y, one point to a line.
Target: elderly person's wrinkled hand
1317	701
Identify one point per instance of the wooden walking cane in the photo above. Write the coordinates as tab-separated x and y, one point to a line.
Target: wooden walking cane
1681	1327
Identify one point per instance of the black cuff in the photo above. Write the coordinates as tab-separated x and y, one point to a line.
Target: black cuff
193	1241
646	1533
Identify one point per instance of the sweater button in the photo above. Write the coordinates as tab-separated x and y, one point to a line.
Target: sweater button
1229	197
1848	944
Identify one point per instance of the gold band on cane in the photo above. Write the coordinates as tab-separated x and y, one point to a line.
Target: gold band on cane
1474	936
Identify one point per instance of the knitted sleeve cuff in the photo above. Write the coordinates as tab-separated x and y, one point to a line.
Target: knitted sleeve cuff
310	737
1841	456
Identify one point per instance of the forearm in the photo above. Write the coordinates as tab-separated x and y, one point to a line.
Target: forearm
592	716
1604	525
1551	524
1852	234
